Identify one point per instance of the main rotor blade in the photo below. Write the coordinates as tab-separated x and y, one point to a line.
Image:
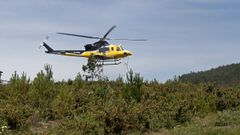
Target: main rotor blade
76	35
126	39
104	37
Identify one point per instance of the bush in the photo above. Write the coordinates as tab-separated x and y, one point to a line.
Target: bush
123	118
63	104
78	82
15	116
79	125
133	87
228	118
41	92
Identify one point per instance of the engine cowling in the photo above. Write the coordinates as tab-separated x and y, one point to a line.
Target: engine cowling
89	47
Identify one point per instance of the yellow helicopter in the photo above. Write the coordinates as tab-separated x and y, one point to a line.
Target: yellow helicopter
102	51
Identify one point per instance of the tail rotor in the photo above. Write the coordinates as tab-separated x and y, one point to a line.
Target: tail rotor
44	41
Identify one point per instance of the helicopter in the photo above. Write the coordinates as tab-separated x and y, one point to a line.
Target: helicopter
104	52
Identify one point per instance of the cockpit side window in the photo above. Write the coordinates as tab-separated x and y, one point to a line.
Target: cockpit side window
118	49
104	49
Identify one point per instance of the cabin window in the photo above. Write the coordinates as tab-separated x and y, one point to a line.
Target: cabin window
112	48
104	49
118	49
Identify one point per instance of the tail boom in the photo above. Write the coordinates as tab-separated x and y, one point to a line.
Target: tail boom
76	53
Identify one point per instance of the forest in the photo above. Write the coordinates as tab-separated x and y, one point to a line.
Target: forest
227	75
123	106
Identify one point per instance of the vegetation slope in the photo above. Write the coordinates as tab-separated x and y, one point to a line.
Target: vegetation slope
228	75
134	106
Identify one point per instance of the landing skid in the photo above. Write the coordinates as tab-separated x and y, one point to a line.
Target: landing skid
108	62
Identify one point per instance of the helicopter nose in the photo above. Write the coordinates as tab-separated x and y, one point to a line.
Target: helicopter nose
127	53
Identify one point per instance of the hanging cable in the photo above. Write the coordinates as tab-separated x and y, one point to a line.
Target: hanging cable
125	66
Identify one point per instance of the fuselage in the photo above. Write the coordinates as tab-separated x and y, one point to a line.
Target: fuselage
108	52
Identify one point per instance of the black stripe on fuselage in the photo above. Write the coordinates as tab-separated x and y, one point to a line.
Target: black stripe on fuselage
63	52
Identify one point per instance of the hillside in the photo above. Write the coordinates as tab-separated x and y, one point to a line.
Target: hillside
227	75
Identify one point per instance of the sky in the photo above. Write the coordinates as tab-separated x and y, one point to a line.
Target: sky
183	35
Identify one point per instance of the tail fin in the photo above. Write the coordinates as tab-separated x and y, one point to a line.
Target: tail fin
49	49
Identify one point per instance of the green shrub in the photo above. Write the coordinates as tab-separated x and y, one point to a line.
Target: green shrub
228	118
78	82
41	92
19	84
15	115
120	117
63	104
79	125
133	87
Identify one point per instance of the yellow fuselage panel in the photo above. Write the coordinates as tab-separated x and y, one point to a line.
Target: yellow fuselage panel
113	52
116	51
88	54
72	54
